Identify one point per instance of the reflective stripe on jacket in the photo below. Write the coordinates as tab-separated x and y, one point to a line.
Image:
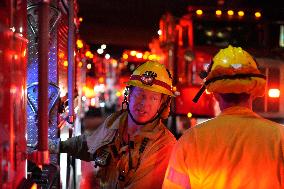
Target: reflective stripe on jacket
236	150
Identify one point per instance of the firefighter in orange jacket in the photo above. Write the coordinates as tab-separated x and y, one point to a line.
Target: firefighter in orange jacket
238	149
132	148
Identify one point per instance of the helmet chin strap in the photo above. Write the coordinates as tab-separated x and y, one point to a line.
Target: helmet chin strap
158	115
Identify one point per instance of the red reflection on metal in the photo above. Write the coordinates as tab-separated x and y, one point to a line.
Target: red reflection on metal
12	100
43	85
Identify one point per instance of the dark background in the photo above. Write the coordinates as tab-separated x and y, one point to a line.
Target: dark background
131	24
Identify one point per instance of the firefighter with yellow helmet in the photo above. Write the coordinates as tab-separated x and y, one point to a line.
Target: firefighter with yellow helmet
238	149
131	149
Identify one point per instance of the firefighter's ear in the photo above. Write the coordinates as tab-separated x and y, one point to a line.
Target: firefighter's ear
166	112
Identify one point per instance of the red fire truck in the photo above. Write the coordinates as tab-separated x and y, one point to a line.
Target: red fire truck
186	45
13	56
41	88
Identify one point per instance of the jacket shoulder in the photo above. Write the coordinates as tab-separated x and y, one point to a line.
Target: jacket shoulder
105	133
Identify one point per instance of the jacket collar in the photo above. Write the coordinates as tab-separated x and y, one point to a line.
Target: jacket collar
239	110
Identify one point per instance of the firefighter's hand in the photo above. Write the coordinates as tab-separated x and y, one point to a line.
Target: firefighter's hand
53	146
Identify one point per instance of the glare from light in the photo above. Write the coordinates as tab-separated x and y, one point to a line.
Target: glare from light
209	33
159	32
125	56
65	63
102	104
79	43
107	56
76	109
24	53
189	115
114	63
34	186
139	55
89	66
220	34
61	55
133	53
199	12
88	53
99	88
80	19
118	94
146	54
152	57
13	29
241	13
100	51
21	29
84	98
13	90
101	80
80	64
230	12
257	14
103	46
93	101
218	12
274	93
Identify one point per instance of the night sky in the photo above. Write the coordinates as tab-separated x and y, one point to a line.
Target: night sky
131	24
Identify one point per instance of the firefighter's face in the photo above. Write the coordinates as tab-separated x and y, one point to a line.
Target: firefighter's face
144	104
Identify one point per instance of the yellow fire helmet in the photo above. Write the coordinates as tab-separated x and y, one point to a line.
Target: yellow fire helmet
152	76
233	70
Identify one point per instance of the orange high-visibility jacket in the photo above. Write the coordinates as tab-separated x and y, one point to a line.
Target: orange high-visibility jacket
236	150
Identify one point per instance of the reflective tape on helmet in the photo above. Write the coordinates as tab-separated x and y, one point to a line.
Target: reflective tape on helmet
154	81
